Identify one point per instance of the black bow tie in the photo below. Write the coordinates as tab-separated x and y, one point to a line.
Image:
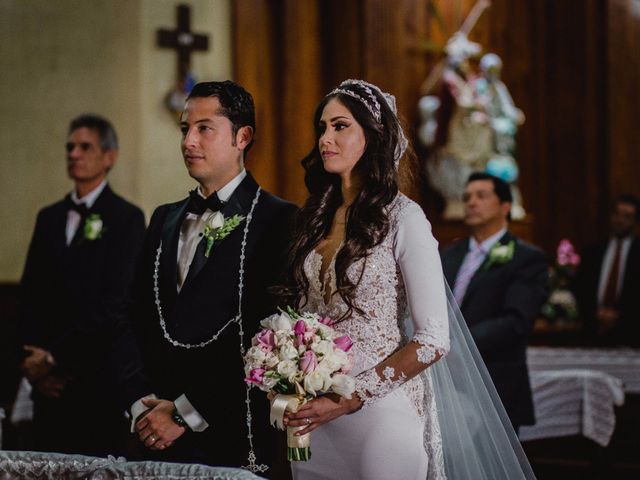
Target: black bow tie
199	205
81	208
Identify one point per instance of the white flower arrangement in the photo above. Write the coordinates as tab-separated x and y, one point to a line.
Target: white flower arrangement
218	227
93	227
500	253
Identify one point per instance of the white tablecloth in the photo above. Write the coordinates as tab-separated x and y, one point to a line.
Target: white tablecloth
56	466
574	402
620	363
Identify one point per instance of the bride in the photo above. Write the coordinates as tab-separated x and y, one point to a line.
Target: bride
364	255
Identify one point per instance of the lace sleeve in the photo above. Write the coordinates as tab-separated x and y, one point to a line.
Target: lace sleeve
416	252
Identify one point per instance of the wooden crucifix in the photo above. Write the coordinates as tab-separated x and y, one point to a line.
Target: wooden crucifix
183	40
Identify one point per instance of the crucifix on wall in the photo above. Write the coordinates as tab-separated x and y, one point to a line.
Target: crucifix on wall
184	42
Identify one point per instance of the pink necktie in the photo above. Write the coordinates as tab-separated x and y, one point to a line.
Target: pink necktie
471	262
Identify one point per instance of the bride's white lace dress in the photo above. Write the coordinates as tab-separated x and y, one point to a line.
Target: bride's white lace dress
396	434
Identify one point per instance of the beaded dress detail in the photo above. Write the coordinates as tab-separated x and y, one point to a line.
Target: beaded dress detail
401	263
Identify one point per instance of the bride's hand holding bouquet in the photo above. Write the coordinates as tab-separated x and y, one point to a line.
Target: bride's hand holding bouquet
295	358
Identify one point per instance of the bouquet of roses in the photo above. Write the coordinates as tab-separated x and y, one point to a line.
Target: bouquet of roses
295	357
561	306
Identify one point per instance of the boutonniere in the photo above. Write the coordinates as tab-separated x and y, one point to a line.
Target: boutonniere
217	227
500	254
93	227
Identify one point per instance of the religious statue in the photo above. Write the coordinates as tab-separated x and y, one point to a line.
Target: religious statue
504	120
471	122
462	141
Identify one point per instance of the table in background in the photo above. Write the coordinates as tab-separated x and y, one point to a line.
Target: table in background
574	402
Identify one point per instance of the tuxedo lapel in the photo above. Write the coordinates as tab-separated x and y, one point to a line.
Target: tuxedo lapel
238	204
169	256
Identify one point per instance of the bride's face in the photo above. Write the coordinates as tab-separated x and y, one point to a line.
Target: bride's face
342	141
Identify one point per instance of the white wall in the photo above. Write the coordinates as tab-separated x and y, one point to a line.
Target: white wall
62	58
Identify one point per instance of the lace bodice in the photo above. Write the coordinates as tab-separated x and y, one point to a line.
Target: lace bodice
400	276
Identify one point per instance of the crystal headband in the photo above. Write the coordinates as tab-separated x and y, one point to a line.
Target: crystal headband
373	106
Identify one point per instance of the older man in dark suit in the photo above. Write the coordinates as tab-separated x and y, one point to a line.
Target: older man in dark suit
75	286
203	285
608	280
500	283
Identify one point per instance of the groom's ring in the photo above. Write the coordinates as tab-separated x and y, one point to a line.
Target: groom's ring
153	439
308	420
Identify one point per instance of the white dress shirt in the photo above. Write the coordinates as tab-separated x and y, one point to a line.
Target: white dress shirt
193	226
73	217
487	244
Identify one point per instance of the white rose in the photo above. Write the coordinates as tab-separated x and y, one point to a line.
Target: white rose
288	352
317	381
214	220
501	251
282	337
276	322
287	368
266	322
323	347
281	322
93	228
334	360
325	332
564	298
271	360
269	382
255	356
343	385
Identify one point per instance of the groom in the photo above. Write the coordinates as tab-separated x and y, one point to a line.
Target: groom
226	240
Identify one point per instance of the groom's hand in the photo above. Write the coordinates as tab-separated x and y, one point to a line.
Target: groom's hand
156	429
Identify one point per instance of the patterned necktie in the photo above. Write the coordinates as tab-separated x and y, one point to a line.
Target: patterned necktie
471	262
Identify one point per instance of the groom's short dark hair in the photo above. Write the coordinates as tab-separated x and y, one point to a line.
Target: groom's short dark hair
237	104
502	189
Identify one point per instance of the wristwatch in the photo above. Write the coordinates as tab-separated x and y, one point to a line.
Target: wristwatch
177	418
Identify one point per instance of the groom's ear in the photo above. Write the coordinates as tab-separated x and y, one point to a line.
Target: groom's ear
244	136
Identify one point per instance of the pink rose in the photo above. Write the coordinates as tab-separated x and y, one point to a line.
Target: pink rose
344	343
308	362
566	254
255	376
266	340
299	328
326	321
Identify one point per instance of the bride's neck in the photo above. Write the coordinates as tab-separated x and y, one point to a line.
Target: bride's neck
350	188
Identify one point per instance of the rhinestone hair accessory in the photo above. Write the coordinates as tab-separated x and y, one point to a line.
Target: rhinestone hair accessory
374	108
371	102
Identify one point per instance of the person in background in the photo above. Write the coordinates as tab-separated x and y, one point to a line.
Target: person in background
500	283
607	283
74	296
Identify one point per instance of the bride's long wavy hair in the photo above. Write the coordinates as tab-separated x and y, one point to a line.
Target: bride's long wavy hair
367	222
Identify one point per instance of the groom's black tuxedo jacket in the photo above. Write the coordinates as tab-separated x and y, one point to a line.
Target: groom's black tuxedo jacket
212	377
74	301
500	305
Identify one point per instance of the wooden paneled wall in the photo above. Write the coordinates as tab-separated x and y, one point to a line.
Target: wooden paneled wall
572	66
